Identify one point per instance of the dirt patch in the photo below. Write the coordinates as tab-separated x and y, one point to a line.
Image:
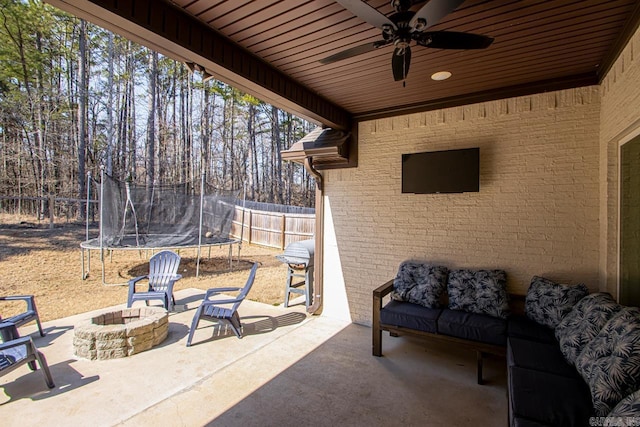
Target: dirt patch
37	260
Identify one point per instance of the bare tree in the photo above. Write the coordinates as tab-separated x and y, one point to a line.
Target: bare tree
82	109
151	119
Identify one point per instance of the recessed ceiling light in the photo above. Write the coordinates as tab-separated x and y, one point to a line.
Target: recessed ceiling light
441	75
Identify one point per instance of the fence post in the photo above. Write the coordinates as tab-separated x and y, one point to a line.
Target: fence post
283	227
52	201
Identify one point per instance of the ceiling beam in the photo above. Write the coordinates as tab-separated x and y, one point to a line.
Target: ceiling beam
489	95
169	30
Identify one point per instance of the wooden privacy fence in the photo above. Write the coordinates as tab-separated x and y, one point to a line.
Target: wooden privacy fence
273	229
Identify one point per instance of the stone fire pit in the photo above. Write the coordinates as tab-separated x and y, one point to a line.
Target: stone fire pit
120	333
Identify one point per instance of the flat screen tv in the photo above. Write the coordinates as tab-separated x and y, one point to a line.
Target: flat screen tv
450	171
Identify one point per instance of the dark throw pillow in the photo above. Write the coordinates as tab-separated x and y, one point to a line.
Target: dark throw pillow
584	322
420	283
547	302
610	363
629	408
479	291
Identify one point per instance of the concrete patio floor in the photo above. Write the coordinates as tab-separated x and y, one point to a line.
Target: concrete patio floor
289	369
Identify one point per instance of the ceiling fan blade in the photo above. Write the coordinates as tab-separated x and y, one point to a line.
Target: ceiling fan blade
453	40
433	12
354	51
367	13
400	63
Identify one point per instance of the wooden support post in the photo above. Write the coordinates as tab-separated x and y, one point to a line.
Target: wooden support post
378	294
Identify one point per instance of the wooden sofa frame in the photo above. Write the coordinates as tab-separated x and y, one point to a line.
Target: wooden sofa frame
480	348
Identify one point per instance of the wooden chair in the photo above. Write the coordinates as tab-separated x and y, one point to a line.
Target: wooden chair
223	309
25	317
17	351
163	268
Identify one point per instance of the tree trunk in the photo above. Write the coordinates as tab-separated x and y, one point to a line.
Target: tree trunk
110	95
82	111
151	121
205	125
277	146
254	152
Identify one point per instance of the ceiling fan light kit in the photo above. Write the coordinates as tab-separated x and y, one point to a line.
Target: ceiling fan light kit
405	26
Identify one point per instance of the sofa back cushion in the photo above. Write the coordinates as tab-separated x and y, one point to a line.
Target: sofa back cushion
479	291
610	363
420	283
584	322
547	302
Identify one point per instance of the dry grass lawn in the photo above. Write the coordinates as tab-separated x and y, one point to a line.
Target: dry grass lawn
36	260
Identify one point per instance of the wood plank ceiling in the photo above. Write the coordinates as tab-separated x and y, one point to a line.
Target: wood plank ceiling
539	44
272	48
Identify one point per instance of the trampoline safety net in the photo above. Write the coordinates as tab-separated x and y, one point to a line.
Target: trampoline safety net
163	216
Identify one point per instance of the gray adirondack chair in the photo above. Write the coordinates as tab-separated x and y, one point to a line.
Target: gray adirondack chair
25	317
163	274
224	310
16	351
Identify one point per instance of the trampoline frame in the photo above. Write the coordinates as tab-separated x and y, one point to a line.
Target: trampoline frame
90	244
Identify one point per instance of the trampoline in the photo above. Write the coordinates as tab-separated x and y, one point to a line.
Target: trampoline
154	218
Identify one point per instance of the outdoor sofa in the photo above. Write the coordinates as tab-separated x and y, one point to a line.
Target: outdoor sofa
573	358
474	317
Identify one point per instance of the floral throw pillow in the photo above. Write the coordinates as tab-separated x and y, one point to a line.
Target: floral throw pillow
479	291
628	408
420	283
584	322
610	363
547	302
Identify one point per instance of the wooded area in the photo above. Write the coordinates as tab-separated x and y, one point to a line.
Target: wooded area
75	97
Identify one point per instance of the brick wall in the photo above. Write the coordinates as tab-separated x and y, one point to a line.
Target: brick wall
620	119
536	213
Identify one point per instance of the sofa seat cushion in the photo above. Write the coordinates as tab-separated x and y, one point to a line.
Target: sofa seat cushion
548	398
412	316
538	356
610	363
479	291
420	283
523	327
472	326
548	302
584	322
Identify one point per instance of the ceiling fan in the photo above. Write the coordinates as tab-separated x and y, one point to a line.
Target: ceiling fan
405	26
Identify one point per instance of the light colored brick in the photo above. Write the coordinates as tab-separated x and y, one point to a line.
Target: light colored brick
538	199
620	115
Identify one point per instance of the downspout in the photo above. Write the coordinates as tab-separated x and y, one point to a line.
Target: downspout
318	261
